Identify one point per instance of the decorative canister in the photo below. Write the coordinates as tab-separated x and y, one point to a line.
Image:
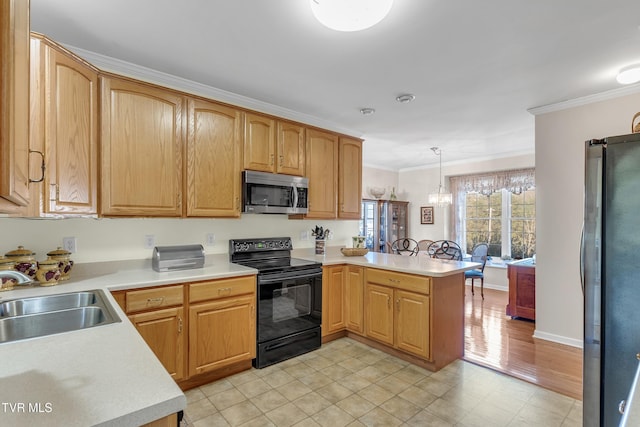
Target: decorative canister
358	242
6	283
48	272
25	261
64	262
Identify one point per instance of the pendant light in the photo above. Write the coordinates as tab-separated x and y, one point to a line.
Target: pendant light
440	198
350	15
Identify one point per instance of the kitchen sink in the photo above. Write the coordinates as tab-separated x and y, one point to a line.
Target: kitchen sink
52	314
19	307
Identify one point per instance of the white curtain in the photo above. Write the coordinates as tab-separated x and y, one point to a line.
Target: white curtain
514	180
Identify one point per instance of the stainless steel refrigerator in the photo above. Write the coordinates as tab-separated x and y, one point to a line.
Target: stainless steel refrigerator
610	267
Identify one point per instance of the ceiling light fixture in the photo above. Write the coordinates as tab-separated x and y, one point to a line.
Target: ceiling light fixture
629	75
367	111
403	99
350	15
440	199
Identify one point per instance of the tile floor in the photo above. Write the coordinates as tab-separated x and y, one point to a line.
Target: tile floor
346	383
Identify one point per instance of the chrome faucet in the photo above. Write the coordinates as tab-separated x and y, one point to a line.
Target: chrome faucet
21	278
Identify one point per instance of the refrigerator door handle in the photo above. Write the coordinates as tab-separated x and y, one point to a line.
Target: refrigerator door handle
582	258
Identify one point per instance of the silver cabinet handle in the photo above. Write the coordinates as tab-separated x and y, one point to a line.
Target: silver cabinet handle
155	301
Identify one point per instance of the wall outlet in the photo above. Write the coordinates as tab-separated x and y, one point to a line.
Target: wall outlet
69	244
304	235
210	239
149	241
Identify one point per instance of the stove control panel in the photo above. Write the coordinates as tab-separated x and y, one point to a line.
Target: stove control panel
260	245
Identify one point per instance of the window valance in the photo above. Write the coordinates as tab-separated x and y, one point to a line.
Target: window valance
514	180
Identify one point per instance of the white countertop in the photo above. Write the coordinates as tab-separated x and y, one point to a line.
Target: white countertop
107	375
421	265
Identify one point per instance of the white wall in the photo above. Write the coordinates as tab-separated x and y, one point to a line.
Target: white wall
123	238
560	138
381	178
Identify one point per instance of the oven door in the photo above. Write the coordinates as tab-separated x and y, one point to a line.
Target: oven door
288	303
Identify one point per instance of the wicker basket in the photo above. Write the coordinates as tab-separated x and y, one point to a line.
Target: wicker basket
635	125
354	251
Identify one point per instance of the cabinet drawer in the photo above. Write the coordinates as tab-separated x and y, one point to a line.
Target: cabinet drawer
223	288
145	299
409	282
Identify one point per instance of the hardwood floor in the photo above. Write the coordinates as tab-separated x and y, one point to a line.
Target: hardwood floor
494	340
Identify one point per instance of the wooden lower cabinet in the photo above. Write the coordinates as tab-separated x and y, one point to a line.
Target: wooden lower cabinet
398	310
333	299
398	318
221	333
412	323
163	332
196	328
354	303
379	313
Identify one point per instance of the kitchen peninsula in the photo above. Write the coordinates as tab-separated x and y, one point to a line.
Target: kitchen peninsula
411	307
107	375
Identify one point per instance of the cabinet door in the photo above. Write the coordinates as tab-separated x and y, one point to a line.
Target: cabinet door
322	171
354	299
290	149
162	330
259	143
213	160
350	179
71	135
221	333
379	313
333	309
14	102
412	323
142	138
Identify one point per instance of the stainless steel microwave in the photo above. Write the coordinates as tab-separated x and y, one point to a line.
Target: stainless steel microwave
272	193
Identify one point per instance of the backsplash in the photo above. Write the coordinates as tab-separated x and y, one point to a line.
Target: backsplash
110	239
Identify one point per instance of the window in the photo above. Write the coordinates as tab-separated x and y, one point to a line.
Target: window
483	223
498	209
523	224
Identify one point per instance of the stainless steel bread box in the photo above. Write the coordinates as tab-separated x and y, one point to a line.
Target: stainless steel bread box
182	257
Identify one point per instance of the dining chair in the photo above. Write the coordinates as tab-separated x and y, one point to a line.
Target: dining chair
405	246
478	254
445	249
423	245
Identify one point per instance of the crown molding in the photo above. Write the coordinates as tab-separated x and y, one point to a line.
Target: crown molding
128	69
585	100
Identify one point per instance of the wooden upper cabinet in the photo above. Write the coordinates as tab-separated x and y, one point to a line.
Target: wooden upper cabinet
214	153
70	134
273	146
259	143
290	149
14	103
322	171
350	178
142	138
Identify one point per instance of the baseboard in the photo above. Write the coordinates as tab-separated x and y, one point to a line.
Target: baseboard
558	339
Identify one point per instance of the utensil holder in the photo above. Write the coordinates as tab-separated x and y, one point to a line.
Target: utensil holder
320	246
